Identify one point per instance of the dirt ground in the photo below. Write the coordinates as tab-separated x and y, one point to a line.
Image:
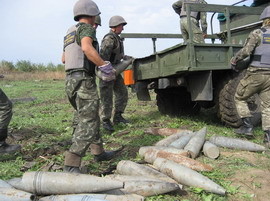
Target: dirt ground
253	181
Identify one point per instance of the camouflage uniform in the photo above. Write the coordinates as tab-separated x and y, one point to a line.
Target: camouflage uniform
195	18
82	93
107	52
5	114
256	80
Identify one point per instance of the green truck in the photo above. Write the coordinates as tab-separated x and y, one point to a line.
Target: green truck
190	76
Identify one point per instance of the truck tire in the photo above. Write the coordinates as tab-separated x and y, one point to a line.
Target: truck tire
176	102
227	111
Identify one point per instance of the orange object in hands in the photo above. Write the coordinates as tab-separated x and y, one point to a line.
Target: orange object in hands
128	77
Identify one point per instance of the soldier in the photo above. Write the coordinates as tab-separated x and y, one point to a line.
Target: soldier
257	78
198	34
5	117
112	49
80	58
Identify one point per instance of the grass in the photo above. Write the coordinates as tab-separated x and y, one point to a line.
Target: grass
43	128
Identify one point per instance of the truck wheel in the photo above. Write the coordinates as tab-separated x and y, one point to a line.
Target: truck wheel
176	102
227	110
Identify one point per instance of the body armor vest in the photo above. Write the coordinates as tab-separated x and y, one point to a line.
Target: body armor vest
183	13
261	56
118	52
74	56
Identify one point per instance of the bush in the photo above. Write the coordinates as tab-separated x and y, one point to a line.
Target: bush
6	66
25	66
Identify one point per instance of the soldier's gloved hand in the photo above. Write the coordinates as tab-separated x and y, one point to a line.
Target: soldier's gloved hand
128	59
106	68
106	72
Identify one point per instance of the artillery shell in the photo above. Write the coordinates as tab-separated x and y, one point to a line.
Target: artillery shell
235	143
210	150
126	167
48	183
12	194
187	176
168	140
144	149
144	186
93	197
196	142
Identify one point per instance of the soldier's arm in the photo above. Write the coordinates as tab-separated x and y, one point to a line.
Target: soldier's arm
177	7
106	48
90	51
251	43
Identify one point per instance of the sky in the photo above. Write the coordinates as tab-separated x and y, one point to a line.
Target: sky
33	30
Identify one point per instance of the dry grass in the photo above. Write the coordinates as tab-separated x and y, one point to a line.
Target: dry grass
19	76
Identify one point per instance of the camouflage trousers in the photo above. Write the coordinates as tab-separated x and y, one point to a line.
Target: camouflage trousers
83	96
5	115
107	89
5	110
254	83
197	32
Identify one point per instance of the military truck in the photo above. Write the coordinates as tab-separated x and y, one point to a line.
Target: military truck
190	76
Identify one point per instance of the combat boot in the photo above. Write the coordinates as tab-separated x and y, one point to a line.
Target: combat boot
106	155
118	118
107	125
72	163
9	148
246	128
267	138
71	169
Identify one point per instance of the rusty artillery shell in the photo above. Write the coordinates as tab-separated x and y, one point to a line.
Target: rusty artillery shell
187	176
163	131
185	161
144	186
126	167
196	142
93	197
48	183
145	149
168	140
235	143
12	194
210	150
151	155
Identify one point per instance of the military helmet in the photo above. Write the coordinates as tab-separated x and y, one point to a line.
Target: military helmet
85	7
266	13
98	20
116	20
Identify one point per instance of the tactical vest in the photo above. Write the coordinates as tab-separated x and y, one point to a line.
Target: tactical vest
118	52
261	56
74	56
183	13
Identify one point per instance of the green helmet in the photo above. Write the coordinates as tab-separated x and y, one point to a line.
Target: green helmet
116	20
98	20
266	13
85	8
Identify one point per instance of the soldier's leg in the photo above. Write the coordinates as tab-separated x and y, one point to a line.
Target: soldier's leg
197	32
183	28
246	88
265	105
5	117
86	101
121	99
106	99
